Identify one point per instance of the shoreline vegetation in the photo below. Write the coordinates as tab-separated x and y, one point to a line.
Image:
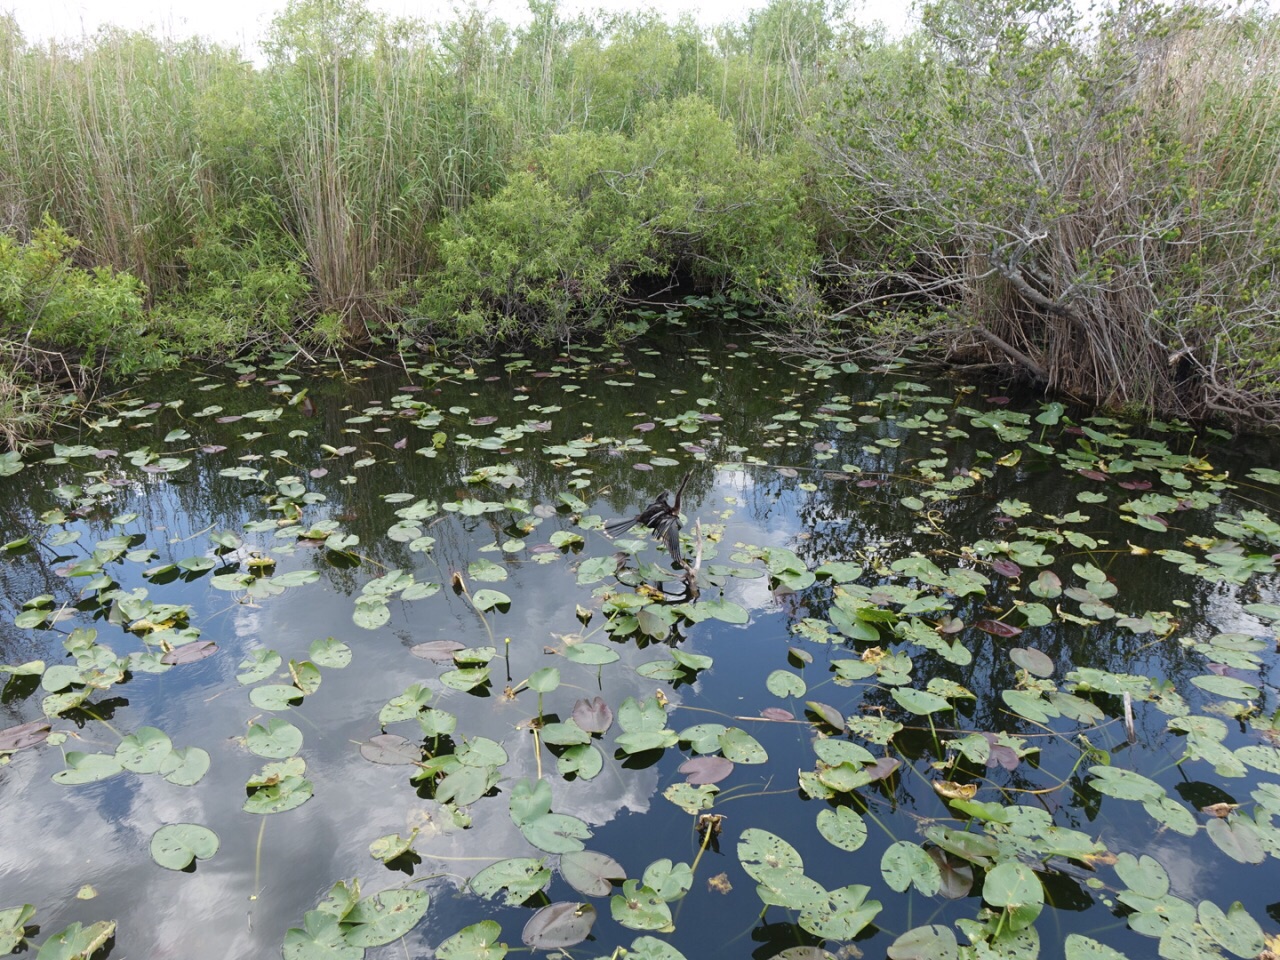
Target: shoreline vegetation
1088	205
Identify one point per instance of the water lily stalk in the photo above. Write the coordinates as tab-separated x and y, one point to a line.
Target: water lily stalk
257	860
462	585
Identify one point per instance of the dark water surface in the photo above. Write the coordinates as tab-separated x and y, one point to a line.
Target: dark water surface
793	466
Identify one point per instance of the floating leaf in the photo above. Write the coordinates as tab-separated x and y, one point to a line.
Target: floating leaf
593	715
843	828
784	683
185	766
919	702
1234	930
189	653
390	748
691	798
699	770
544	680
259	665
591	874
1034	662
391	846
841	914
559	925
384	917
520	877
144	751
1239	840
998	628
276	741
24	735
476	942
174	846
827	713
1079	947
330	653
932	942
556	833
488	599
740	747
905	864
441	651
87	767
640	908
77	942
275	696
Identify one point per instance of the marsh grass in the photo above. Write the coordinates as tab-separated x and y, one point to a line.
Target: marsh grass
1091	205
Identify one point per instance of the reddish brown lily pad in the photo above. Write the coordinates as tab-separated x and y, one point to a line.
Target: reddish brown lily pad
189	653
700	770
23	735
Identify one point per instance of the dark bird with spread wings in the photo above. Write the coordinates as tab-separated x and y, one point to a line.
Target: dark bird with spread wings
662	517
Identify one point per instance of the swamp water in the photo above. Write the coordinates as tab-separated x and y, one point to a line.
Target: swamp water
357	672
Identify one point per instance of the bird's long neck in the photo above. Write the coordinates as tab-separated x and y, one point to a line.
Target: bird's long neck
680	492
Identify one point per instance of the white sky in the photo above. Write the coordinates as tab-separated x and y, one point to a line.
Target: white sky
242	22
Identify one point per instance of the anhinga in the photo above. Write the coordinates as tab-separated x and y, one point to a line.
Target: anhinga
662	517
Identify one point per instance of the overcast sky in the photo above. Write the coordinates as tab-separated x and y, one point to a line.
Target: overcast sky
243	21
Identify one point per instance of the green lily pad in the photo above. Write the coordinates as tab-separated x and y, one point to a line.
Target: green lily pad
185	766
330	653
144	751
738	746
691	798
319	938
1079	947
761	853
476	942
77	942
175	845
905	864
840	914
87	768
671	881
932	942
12	924
275	741
784	683
556	833
259	665
488	599
385	916
518	878
286	794
640	908
842	827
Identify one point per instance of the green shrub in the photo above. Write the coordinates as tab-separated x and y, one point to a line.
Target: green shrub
244	283
93	318
591	214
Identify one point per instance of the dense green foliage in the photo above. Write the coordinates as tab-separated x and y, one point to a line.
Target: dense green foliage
1090	204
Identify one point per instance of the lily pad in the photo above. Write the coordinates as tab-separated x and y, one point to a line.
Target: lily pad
476	942
175	845
384	917
590	873
275	741
559	925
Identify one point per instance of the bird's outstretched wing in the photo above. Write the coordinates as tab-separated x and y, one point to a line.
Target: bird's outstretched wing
668	530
